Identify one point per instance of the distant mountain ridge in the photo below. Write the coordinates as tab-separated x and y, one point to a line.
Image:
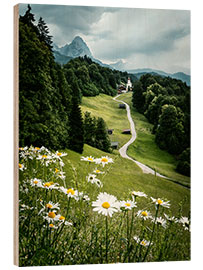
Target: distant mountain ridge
178	75
78	47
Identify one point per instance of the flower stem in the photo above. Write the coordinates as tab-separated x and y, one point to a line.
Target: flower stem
106	239
157	210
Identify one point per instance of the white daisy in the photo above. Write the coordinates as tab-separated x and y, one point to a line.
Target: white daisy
98	171
143	242
58	155
23	148
83	196
160	221
26	154
106	204
104	160
62	220
21	167
86	198
51	216
127	205
144	214
52	226
161	202
44	157
138	194
61	175
89	159
50	185
137	239
36	182
185	222
70	193
93	180
61	163
49	206
171	219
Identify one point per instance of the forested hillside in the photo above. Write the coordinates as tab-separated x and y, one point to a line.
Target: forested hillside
50	95
92	78
166	104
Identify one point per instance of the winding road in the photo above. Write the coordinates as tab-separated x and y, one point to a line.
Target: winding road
123	149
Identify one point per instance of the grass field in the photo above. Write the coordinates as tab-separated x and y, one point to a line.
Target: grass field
125	176
116	119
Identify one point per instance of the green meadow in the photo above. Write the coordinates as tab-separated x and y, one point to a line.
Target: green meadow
125	174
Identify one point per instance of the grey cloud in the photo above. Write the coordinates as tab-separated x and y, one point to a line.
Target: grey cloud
118	33
71	20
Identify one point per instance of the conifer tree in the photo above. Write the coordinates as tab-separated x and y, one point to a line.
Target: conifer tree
102	139
89	129
76	133
44	33
138	98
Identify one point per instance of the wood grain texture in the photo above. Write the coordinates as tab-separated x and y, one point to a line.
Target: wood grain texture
16	135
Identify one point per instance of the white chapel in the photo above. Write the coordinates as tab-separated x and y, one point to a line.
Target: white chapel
129	84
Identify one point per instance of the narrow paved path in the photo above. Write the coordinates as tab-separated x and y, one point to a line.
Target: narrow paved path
123	149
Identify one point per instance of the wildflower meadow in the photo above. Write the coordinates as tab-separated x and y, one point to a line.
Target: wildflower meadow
66	221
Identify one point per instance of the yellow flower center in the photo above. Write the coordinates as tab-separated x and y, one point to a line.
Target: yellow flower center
90	159
62	218
20	165
51	214
51	225
51	183
35	182
21	148
143	243
48	205
144	213
44	156
104	159
105	205
56	170
127	204
37	148
71	191
48	184
59	154
159	201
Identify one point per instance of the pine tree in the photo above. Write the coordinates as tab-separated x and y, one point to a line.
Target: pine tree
102	139
89	129
76	133
44	33
138	98
28	18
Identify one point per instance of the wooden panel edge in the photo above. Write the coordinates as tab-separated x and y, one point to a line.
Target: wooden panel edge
16	136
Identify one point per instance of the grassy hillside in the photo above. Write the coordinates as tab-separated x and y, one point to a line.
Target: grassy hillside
103	106
145	150
124	176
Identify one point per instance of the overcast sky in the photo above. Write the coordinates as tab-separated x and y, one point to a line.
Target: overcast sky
142	38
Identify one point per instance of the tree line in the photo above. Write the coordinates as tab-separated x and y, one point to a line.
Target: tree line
166	104
92	78
50	95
